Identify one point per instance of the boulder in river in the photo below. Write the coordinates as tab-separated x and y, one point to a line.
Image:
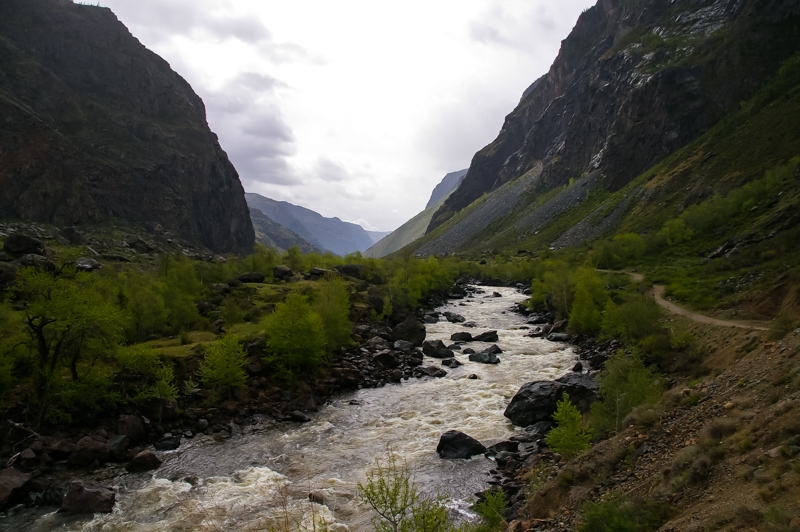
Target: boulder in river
132	427
536	401
436	349
461	337
12	485
88	497
87	450
485	357
433	371
144	461
411	330
488	336
452	317
456	444
451	363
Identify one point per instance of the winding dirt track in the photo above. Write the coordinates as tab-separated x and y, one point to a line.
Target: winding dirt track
658	293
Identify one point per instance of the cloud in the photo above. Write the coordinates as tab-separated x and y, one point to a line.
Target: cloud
330	171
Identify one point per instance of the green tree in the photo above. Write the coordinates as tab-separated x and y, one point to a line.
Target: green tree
294	258
569	437
589	293
332	303
223	365
295	334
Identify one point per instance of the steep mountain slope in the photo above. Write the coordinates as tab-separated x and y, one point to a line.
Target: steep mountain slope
274	235
97	128
376	236
416	226
329	234
634	81
446	186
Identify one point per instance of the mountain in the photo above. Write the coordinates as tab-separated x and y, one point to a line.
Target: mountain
376	236
416	226
274	235
446	186
327	234
96	128
635	81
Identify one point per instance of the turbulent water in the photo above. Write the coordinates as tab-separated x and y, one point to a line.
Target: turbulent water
260	479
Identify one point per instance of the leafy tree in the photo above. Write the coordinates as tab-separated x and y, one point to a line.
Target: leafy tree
223	365
625	384
632	321
141	296
332	303
569	437
180	288
295	334
67	320
589	294
294	258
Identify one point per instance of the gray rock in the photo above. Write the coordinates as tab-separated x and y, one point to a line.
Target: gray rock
87	264
12	485
411	330
144	461
385	358
484	357
404	346
488	336
461	337
433	371
87	450
451	363
251	277
72	236
558	337
436	349
454	444
118	445
282	272
37	261
132	427
536	401
351	270
18	244
452	317
88	497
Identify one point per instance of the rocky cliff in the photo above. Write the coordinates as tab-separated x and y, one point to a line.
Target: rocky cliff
634	81
96	128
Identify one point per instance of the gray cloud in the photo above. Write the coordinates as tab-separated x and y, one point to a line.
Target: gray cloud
330	171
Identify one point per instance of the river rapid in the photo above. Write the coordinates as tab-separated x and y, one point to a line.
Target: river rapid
261	477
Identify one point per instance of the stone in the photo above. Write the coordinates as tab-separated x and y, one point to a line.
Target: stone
452	317
396	375
385	358
169	443
28	459
558	337
18	244
436	349
118	446
468	351
454	444
60	449
377	343
451	363
536	401
72	236
132	427
12	485
8	274
488	336
221	287
144	461
461	337
351	270
578	367
484	357
87	264
251	277
411	330
282	272
40	262
88	450
318	272
404	346
433	371
88	497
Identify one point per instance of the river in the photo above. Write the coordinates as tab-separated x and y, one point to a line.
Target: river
261	477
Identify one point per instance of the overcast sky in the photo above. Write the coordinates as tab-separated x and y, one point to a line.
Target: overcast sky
355	109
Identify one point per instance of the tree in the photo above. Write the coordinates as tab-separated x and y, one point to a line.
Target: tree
332	303
223	365
569	438
295	334
67	320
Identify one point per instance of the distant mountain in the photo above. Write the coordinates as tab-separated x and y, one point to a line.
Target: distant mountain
416	226
377	236
274	235
327	234
446	186
97	129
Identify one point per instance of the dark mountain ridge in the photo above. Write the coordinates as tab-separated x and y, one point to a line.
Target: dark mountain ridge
97	128
634	81
450	182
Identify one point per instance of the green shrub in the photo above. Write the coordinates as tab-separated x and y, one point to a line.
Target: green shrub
620	514
569	437
332	303
223	365
624	384
491	509
295	335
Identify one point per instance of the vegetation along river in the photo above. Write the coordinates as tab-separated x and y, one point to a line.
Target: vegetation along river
268	470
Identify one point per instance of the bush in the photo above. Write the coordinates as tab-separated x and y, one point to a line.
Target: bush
332	303
223	365
295	335
569	438
491	510
624	384
623	515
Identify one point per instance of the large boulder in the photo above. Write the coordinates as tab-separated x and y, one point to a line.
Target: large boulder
456	444
351	270
282	272
88	497
385	358
144	461
487	356
118	445
40	262
87	450
452	317
12	485
132	427
433	371
488	336
461	337
87	264
536	401
411	330
8	274
72	236
18	244
436	349
251	277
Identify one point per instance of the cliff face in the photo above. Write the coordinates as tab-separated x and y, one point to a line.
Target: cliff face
96	128
634	81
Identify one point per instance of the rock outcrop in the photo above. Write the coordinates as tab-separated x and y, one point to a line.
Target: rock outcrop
98	129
